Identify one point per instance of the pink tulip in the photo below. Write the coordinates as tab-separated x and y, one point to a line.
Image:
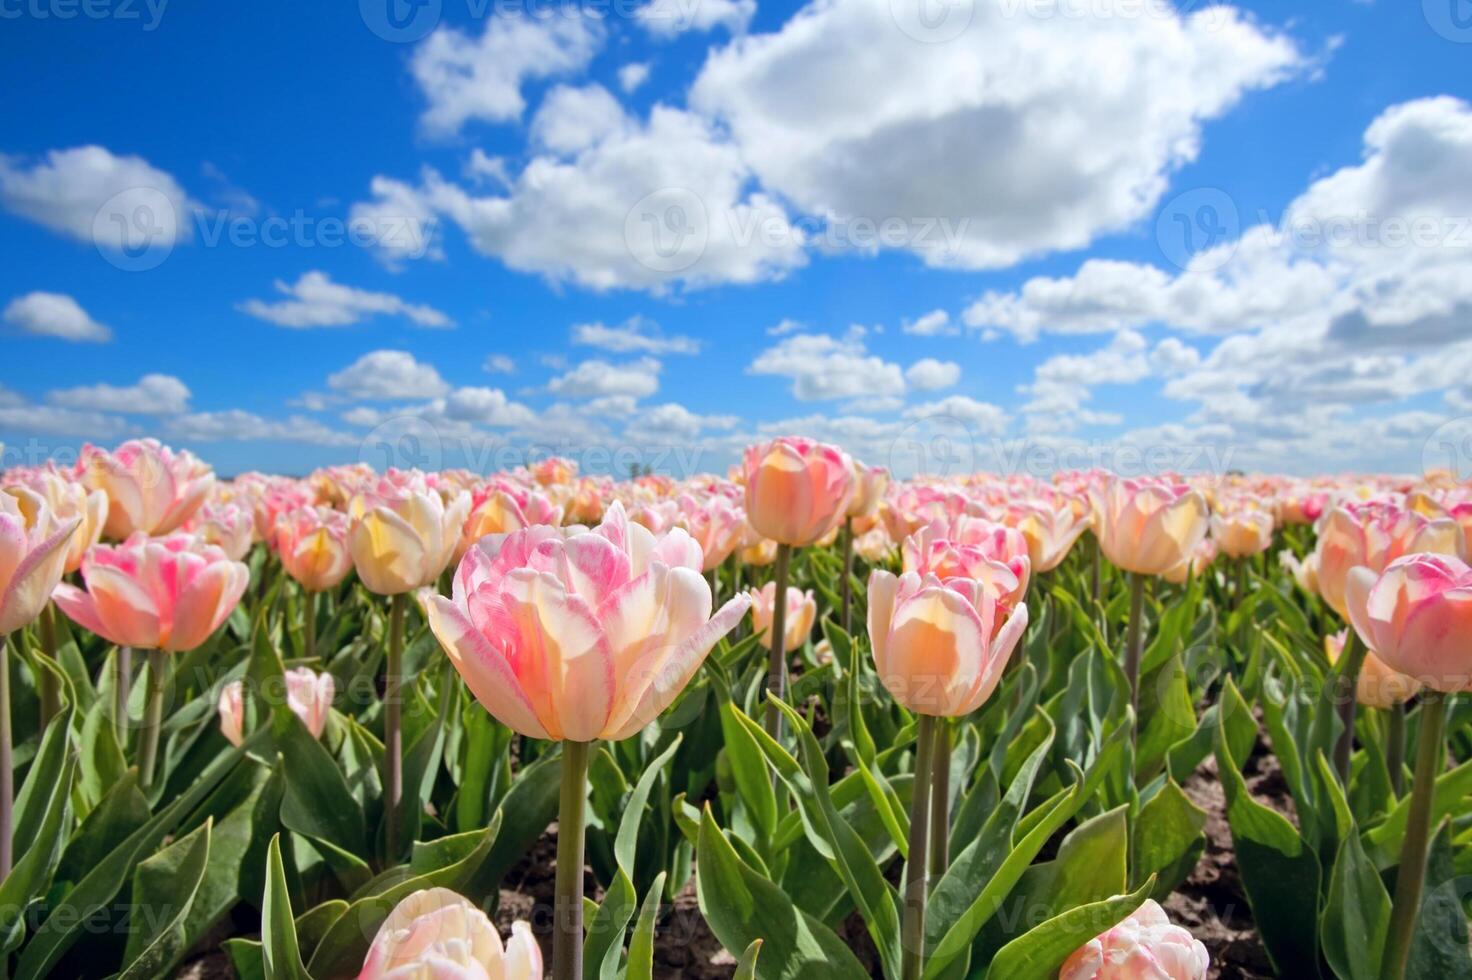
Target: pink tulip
796	489
1242	531
584	637
1144	946
33	553
231	527
501	508
870	485
312	543
150	488
308	695
802	611
1417	617
435	934
973	548
939	647
1374	534
1378	686
1050	531
68	499
1195	566
166	593
911	507
1305	573
554	470
404	532
715	523
1148	526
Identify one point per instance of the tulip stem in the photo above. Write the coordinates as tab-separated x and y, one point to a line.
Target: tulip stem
1395	747
393	734
45	680
912	935
777	664
567	913
7	785
1133	638
846	588
1353	659
1411	876
153	713
940	802
122	683
309	624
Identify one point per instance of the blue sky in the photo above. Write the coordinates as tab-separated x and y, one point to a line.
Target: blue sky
1035	164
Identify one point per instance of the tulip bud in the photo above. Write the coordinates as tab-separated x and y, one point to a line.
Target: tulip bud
796	489
1144	946
802	611
435	934
1417	617
1148	526
33	553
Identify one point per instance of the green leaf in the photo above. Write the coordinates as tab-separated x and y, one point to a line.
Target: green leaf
176	871
742	907
32	873
1439	947
1384	840
627	842
1356	915
1168	838
605	938
1038	953
641	944
246	956
281	958
317	801
746	966
530	806
749	770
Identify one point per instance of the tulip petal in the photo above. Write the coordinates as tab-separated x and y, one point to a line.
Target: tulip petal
483	667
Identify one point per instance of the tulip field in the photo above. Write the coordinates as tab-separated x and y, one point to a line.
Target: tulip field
804	720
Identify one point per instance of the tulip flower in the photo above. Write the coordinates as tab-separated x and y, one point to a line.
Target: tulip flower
1379	684
1242	531
797	491
435	934
939	649
402	537
577	638
802	611
33	552
1416	616
869	486
715	523
1374	534
69	499
165	595
1195	566
150	488
308	695
501	508
312	543
1145	527
230	527
971	547
1305	573
1145	946
1050	532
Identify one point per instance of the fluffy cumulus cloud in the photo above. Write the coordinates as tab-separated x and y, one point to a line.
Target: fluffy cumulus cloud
822	368
936	323
54	315
237	425
464	78
154	394
486	406
670	18
979	417
595	378
384	375
94	195
636	335
992	142
929	374
314	300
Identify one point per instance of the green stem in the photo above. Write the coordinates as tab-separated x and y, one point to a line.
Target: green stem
153	712
1411	876
940	802
45	680
309	624
912	933
1098	562
1348	683
122	683
567	910
777	662
7	784
1395	748
393	734
1133	638
846	589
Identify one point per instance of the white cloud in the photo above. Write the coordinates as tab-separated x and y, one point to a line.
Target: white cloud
50	420
54	315
823	367
464	78
238	425
1005	130
936	323
980	417
382	375
632	75
154	394
671	18
595	378
90	194
499	364
785	327
635	335
486	406
929	374
316	301
572	119
672	422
